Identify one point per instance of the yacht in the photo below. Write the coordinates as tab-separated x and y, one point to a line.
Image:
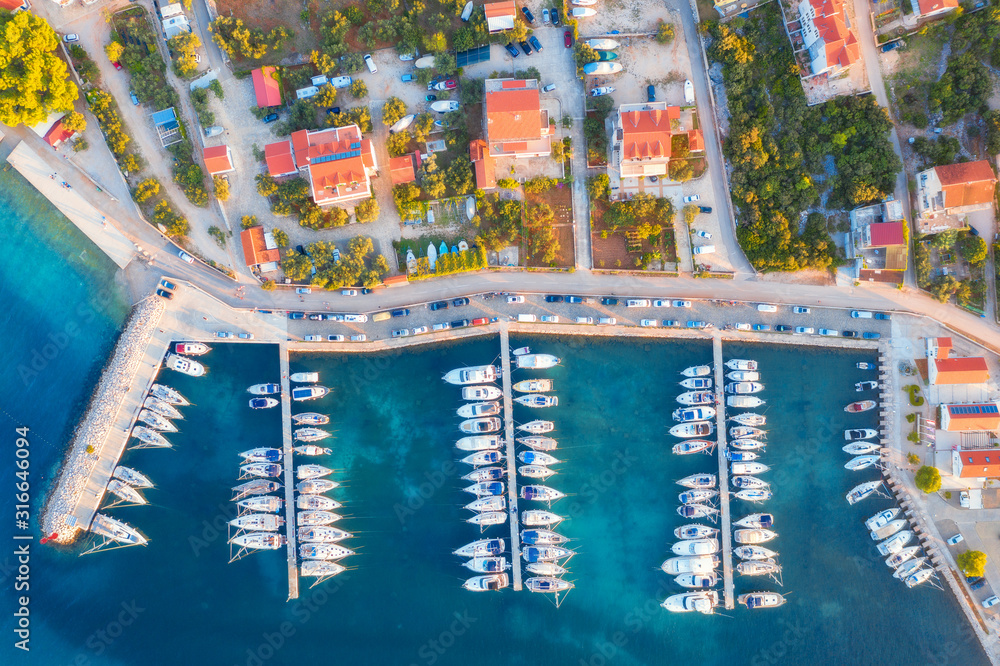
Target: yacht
320	569
749	482
753	536
537	427
265	389
131	477
740	456
258	522
485	474
255	487
696	496
853	434
697	371
888	530
162	407
700	564
547	585
316	518
481	393
756	521
742	432
537	400
310	434
690	446
703	602
541	493
881	519
865	386
754	495
316	503
322	534
749	419
686	415
302	393
266	470
304	472
310	419
150	437
486	488
535	471
545	553
477	426
862	490
741	364
125	492
918	577
533	386
259	540
539	537
697	511
262	454
696	547
487	564
476	374
482	458
323	551
476	409
168	394
304	377
312	450
743	376
487	583
315	486
754	600
861	448
860	406
695	531
740	468
482	548
862	462
538	443
866	366
758	568
263	403
746	444
744	388
754	553
536	361
488	518
537	458
696	383
192	348
545	569
155	421
698	581
265	503
185	365
744	401
482	443
695	429
901	556
695	398
538	518
895	543
698	481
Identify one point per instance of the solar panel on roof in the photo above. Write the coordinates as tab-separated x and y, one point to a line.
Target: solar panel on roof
990	409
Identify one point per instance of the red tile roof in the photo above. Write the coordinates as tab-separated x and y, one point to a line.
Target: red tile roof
279	158
329	179
254	250
484	165
967	184
977	464
973	417
265	87
500	15
931	6
57	134
401	169
885	234
961	371
646	134
696	141
944	347
513	114
217	160
11	5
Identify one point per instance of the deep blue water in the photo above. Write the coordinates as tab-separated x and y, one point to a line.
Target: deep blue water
179	600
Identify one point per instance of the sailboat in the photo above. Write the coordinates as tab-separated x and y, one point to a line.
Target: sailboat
490	503
541	493
488	457
150	437
696	496
125	492
754	553
535	471
259	540
258	522
539	518
758	568
695	429
156	421
262	454
756	521
322	534
753	600
320	569
310	419
749	419
698	481
303	472
323	551
131	477
538	443
310	434
697	371
537	427
488	518
740	468
691	446
267	470
261	503
537	400
487	564
861	491
861	448
480	443
312	450
316	503
537	458
168	394
862	462
162	407
490	424
920	576
315	518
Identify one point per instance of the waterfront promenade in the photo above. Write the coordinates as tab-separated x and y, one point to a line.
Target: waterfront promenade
286	445
726	519
508	410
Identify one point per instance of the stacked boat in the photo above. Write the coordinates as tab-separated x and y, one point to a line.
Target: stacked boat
257	525
158	409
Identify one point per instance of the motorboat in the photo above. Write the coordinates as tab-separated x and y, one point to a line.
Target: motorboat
482	443
696	547
263	403
758	568
261	503
537	400
258	522
603	44
185	365
131	477
537	458
853	434
756	521
690	446
538	443
861	448
696	383
538	537
746	444
323	551
537	427
477	409
695	398
861	491
482	458
486	488
262	454
538	518
741	364
545	569
888	530
162	407
754	600
868	385
697	371
541	493
304	472
303	393
150	437
686	415
488	504
482	548
582	12
744	401
584	3
320	569
535	471
314	518
545	553
695	429
125	492
259	540
695	531
901	556
488	518
749	419
487	583
895	543
310	419
322	534
156	421
881	519
918	577
521	351
265	389
753	536
485	474
487	564
749	482
477	426
316	503
315	486
192	348
312	450
168	394
860	406
476	374
744	388
742	432
754	495
740	456
536	361
700	564
862	462
481	393
698	581
696	496
698	481
865	366
754	553
743	376
310	434
696	511
255	487
703	602
742	468
304	377
265	470
533	386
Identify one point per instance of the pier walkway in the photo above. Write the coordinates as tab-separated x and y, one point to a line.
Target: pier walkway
508	410
720	427
286	445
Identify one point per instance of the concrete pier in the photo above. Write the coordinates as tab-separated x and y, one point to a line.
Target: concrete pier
508	411
720	427
286	445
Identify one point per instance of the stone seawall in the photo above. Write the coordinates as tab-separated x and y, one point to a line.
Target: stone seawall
98	421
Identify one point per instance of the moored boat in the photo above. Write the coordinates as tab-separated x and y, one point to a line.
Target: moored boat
192	348
315	518
743	432
755	521
754	553
262	454
537	427
481	393
537	458
881	519
697	371
545	569
477	426
316	503
706	546
754	495
125	492
310	434
539	518
547	585
535	471
740	468
323	551
266	470
259	503
538	443
751	482
703	601
696	496
697	511
545	553
753	536
895	543
698	481
150	437
866	366
536	361
487	583
259	540
304	377
860	406
265	389
533	386
695	429
131	477
537	400
168	394
901	556
744	388
488	518
320	569
304	472
690	446
746	444
700	564
487	564
854	434
322	534
861	448
258	522
482	548
488	457
162	407
156	421
263	403
540	537
486	488
740	456
303	393
477	409
865	386
744	401
758	568
749	419
185	365
741	364
695	531
743	376
696	383
888	530
476	374
315	486
255	487
310	419
481	443
695	398
485	474
541	493
312	450
861	491
754	600
862	462
688	414
920	576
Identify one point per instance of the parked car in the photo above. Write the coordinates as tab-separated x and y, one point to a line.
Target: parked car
661	304
406	78
512	50
439	305
313	338
334	338
403	312
882	315
607	321
164	294
574	299
167	285
459	302
799	309
135	100
568	39
551	298
270	118
440	327
766	307
805	329
782	328
296	315
316	316
460	323
885	48
861	314
705	209
696	324
525	46
528	16
420	329
650	93
992	601
692	198
637	303
185	256
534	42
671	323
609	301
682	304
117	65
979	584
545	15
401	333
703	249
850	334
550	319
72	37
703	234
371	64
360	337
515	299
649	323
245	336
556	21
549	88
744	327
829	332
762	327
480	321
585	320
333	317
303	290
356	318
963	499
870	335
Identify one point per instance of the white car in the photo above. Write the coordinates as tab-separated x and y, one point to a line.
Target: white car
703	234
72	37
651	323
550	319
245	336
185	256
334	338
349	292
420	329
992	601
829	332
303	290
661	304
371	64
356	318
585	320
963	499
607	321
637	303
799	309
360	337
692	198
441	327
744	327
314	338
515	299
805	329
955	540
766	307
549	88
401	333
682	304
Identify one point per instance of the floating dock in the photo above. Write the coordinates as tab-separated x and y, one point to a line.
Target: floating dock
720	427
508	410
286	446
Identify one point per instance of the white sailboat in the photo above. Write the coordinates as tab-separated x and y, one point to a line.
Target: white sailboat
304	377
117	530
697	371
131	477
698	481
537	458
538	443
862	490
316	503
488	457
537	427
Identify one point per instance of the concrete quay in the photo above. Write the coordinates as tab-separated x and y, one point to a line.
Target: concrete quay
286	447
508	410
726	521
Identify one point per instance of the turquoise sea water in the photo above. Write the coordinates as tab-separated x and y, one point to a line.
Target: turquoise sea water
179	601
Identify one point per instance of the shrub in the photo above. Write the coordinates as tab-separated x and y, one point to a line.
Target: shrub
664	33
599	187
219	235
267	285
393	110
972	563
221	187
912	458
507	183
280	237
248	221
145	189
928	479
910	418
114	51
539	184
359	89
915	399
367	210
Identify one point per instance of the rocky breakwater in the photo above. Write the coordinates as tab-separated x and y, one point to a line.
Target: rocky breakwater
96	427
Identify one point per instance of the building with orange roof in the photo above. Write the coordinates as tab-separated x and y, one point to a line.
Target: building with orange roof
642	143
15	6
971	370
939	347
218	159
953	189
259	249
970	417
403	169
926	8
266	87
483	165
975	464
832	45
279	160
57	134
500	15
514	123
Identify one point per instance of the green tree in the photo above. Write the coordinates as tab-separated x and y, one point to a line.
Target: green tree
972	563
296	266
221	187
583	54
280	237
74	121
398	143
459	177
325	98
359	90
664	33
945	240
34	80
928	479
445	63
367	210
432	183
268	285
145	189
435	43
393	111
185	50
266	185
248	221
114	51
599	187
973	249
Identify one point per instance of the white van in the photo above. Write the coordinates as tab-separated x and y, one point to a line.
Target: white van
526	318
637	303
371	64
765	307
704	249
341	82
861	314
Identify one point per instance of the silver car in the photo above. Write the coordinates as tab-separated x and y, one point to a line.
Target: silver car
682	304
585	320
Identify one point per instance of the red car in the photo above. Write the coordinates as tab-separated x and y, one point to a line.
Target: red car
117	65
568	39
482	321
